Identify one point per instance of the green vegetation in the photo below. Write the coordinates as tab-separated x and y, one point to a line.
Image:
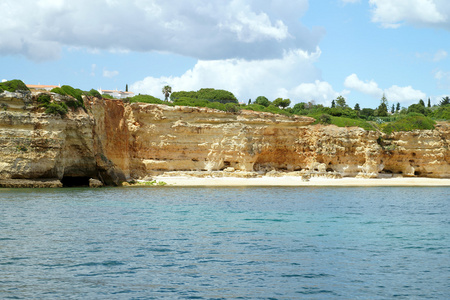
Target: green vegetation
13	85
145	99
56	108
410	122
210	95
70	91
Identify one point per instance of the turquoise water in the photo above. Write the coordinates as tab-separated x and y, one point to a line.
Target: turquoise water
225	243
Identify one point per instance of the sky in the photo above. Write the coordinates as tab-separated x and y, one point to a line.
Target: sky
302	50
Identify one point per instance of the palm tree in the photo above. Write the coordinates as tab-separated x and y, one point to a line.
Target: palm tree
166	91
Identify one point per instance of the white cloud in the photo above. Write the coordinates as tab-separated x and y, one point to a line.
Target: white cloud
440	55
320	91
293	76
443	79
110	74
393	13
404	94
350	1
204	29
393	94
367	87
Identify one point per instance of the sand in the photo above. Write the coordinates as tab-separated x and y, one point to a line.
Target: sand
297	181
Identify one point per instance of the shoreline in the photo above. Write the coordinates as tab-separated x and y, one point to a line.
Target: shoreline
292	181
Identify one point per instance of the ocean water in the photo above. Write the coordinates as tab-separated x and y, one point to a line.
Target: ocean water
225	243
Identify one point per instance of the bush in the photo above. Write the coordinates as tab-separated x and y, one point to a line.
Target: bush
70	91
411	122
44	100
145	99
13	85
95	93
325	119
57	108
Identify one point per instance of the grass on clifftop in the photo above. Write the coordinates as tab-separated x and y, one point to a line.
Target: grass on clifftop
342	121
410	122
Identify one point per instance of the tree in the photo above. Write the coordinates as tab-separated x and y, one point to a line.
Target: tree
357	108
421	102
382	110
392	109
397	108
429	102
445	101
282	103
126	88
261	100
167	90
249	101
333	104
340	102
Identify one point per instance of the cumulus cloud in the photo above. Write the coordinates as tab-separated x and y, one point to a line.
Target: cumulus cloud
404	94
293	76
204	29
393	13
394	93
367	87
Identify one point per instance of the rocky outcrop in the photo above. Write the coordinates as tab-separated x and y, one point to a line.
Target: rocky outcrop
36	145
113	141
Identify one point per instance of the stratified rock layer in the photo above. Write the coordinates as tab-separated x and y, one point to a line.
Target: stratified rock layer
113	141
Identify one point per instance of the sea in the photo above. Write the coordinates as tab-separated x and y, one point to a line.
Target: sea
225	243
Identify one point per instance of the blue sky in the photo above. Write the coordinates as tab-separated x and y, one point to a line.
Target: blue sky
302	50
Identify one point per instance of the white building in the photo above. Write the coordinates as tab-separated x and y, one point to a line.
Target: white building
116	94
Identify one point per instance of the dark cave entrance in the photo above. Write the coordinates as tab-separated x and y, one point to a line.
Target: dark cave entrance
69	181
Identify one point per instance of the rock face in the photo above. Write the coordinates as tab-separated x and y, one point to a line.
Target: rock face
36	145
151	139
113	141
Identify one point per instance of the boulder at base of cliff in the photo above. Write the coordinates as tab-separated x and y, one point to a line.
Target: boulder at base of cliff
94	183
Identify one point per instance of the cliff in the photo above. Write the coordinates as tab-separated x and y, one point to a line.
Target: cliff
111	141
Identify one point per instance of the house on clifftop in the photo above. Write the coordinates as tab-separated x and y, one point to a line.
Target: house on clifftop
116	94
42	87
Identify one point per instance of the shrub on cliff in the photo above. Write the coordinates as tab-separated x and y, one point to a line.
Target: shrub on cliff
56	108
13	85
411	122
70	91
145	99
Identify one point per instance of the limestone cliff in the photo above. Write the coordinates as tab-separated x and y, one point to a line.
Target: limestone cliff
37	145
150	139
111	140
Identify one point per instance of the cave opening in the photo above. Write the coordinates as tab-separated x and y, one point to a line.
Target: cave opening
69	181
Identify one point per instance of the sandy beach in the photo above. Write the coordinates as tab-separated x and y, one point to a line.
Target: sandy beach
297	181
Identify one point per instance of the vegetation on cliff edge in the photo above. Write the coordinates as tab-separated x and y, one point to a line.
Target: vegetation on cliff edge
13	85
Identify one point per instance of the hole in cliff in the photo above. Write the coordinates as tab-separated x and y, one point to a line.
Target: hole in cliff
69	181
387	171
414	154
330	170
417	173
